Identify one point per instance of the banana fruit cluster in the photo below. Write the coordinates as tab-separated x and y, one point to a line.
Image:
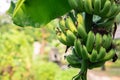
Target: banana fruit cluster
91	40
94	48
103	8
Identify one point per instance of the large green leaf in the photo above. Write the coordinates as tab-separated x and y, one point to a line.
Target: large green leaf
38	12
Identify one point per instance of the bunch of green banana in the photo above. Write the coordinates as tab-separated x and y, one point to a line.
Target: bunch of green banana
92	48
69	31
102	8
106	8
95	50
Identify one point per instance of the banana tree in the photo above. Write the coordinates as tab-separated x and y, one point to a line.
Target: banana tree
88	26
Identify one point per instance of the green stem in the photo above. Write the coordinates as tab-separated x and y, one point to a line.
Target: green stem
83	71
88	21
84	76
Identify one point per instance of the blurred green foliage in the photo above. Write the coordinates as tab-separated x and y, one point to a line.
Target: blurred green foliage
16	50
45	70
66	74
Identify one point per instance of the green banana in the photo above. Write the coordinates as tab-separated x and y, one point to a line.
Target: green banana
80	5
113	10
109	55
70	25
70	37
90	41
98	41
78	46
102	53
85	54
116	12
107	41
93	56
73	4
81	31
105	9
77	54
62	26
77	65
62	38
102	3
80	19
88	6
73	60
97	6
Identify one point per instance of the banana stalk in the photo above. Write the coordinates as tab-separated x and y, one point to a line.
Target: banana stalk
88	21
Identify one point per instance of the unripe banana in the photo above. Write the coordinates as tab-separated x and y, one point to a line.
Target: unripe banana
70	25
116	12
97	6
73	60
103	3
62	38
76	54
88	6
78	47
113	10
102	53
90	41
81	32
62	26
77	65
105	9
93	56
85	54
98	41
80	5
109	55
107	41
70	37
80	19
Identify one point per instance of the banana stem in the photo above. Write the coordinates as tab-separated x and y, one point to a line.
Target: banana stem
83	71
88	21
84	76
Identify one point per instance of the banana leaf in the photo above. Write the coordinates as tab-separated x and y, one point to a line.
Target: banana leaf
37	13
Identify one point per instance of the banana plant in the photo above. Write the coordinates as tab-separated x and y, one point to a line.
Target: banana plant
88	26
